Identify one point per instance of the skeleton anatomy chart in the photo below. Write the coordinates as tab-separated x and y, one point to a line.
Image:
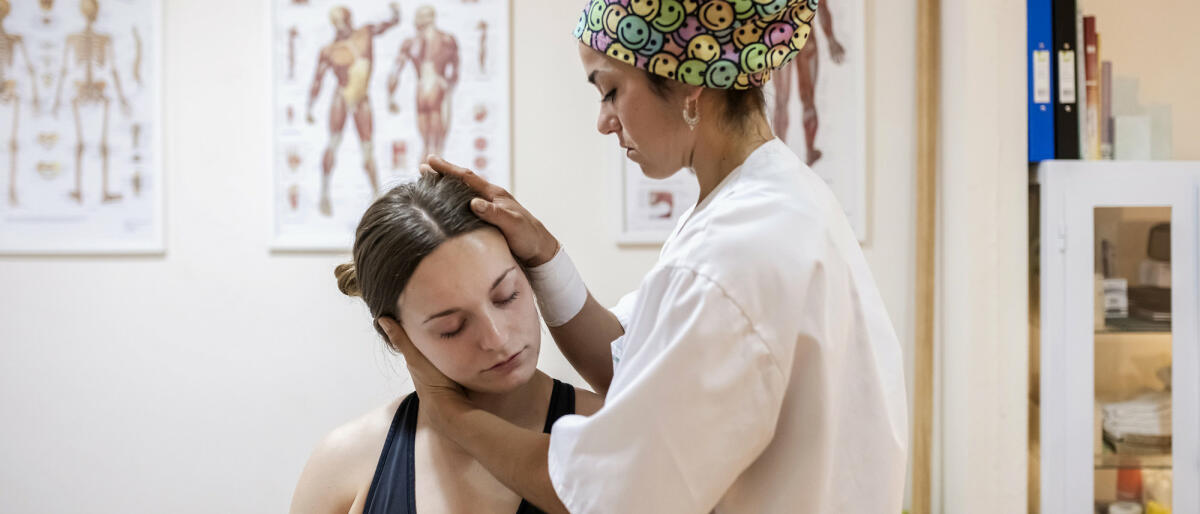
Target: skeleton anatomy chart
79	93
365	89
817	104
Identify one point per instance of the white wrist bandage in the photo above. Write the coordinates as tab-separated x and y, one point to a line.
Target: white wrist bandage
559	289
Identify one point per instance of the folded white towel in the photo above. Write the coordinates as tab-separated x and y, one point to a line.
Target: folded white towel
1147	415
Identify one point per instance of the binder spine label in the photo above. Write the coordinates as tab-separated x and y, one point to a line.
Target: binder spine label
1066	76
1041	76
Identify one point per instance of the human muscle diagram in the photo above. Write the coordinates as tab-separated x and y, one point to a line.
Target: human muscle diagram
817	103
387	75
78	86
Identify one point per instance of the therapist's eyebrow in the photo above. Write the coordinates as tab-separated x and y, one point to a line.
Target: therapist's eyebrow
448	312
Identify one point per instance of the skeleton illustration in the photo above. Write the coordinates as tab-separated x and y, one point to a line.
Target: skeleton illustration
136	132
434	55
292	35
47	140
9	95
351	58
46	6
92	51
48	169
137	60
806	83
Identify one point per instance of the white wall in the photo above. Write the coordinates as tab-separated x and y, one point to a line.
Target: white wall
982	348
1164	60
199	381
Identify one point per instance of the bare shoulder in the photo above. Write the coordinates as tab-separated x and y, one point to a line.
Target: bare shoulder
343	463
364	434
587	402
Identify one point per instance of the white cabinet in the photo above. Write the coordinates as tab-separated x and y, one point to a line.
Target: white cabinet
1120	348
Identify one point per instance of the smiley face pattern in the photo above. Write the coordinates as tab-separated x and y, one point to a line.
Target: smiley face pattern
719	44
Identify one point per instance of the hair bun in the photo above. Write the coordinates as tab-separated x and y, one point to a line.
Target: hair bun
347	279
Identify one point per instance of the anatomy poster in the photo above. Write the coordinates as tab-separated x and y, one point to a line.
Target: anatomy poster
81	153
817	104
651	208
365	89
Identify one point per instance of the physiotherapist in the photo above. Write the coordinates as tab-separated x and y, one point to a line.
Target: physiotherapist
755	369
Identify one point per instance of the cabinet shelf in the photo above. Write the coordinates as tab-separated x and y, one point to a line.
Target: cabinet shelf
1134	325
1110	460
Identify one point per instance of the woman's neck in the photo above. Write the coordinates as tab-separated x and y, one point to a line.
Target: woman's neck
720	150
524	406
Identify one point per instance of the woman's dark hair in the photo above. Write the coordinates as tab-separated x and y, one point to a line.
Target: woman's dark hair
741	105
397	232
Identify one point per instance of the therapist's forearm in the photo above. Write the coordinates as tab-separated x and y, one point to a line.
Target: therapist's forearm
586	343
517	457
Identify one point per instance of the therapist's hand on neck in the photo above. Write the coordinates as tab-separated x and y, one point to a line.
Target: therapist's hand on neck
434	388
528	239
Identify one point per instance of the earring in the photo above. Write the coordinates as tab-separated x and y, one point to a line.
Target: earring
692	120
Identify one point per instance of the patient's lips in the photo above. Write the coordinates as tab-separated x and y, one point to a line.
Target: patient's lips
510	363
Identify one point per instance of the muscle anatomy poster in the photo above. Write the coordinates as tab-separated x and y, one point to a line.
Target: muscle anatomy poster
365	89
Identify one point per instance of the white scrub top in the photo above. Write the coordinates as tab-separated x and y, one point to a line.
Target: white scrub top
759	371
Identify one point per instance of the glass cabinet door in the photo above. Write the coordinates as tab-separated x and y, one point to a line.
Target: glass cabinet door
1120	389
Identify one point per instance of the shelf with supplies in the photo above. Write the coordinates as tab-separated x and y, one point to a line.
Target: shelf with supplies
1117	265
1134	326
1101	88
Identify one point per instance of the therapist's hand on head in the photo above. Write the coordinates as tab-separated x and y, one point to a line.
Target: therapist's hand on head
433	386
528	239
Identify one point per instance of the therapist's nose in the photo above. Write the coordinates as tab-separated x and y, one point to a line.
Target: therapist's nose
608	122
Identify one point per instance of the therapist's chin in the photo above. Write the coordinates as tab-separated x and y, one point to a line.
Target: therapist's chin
654	172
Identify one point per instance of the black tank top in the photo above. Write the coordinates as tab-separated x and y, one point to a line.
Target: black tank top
393	490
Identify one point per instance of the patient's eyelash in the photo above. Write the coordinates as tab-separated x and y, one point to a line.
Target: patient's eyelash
509	299
449	335
612	94
501	303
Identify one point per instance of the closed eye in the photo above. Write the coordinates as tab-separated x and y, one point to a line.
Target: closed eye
456	332
612	94
508	300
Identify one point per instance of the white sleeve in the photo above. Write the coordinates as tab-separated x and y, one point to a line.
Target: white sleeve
693	404
623	311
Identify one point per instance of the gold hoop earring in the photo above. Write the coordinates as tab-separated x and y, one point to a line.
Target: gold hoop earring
692	120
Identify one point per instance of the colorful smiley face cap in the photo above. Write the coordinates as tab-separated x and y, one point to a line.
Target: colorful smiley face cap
720	44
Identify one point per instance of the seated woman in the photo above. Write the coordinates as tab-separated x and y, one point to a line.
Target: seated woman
422	258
